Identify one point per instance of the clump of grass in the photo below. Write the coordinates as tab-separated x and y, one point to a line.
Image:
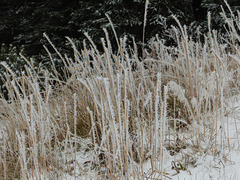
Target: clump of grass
131	115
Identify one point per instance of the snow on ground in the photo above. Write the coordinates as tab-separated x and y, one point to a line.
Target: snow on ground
225	165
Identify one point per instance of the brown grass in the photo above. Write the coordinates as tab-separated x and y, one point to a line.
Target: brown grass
131	115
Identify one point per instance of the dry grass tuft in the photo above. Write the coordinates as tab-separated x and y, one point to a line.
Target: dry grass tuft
130	114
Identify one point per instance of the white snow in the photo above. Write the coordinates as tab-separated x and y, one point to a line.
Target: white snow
202	165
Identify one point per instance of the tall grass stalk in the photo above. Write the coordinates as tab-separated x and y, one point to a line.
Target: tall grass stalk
144	24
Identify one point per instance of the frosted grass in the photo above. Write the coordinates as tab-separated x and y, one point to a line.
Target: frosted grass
109	120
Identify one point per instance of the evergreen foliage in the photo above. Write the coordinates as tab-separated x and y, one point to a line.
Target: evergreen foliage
23	22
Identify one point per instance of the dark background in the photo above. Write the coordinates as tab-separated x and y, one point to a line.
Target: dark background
23	22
